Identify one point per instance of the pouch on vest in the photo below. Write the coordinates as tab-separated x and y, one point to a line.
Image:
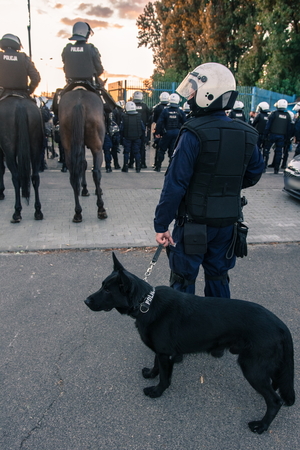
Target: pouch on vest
240	248
194	238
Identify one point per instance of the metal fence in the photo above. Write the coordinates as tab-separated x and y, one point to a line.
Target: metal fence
250	96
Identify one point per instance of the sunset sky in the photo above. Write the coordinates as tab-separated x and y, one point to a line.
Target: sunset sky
112	21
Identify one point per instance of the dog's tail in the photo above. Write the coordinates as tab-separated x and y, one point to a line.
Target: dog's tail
285	376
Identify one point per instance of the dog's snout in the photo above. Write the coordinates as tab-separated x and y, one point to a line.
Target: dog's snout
88	301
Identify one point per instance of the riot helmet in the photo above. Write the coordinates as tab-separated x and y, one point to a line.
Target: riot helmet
186	107
10	40
292	115
238	105
130	108
81	32
164	98
137	96
297	107
281	104
263	106
211	86
174	99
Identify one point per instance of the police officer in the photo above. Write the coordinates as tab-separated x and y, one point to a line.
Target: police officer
156	112
16	67
82	60
278	131
214	158
131	130
145	114
260	121
237	111
186	109
297	129
167	128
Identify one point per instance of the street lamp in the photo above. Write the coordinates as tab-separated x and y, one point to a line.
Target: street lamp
46	64
29	27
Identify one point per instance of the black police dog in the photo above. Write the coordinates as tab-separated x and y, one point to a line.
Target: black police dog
172	323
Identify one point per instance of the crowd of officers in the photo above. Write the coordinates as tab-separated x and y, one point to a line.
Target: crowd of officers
131	124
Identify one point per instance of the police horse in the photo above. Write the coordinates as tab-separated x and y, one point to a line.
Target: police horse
21	143
82	123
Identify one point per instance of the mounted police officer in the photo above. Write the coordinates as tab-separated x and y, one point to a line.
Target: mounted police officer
278	131
16	68
167	128
82	63
214	158
260	121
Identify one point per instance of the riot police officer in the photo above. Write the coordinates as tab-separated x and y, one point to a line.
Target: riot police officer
145	114
214	158
132	129
16	67
260	121
167	128
278	131
156	112
237	111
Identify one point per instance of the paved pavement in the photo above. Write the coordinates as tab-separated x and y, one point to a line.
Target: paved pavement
130	200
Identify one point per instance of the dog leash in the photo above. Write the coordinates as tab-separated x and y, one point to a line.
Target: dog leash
153	262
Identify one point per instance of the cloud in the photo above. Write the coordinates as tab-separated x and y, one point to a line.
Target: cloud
130	9
98	11
94	23
58	6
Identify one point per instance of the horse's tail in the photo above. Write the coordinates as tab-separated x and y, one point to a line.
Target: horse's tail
23	150
77	146
285	378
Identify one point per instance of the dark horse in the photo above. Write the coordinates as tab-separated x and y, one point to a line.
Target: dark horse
82	123
21	142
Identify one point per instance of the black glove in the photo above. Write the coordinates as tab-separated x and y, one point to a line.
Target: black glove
240	249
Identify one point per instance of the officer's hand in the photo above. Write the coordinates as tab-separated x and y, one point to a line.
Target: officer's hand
164	238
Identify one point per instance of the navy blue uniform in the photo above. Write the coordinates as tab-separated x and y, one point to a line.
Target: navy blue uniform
278	131
177	181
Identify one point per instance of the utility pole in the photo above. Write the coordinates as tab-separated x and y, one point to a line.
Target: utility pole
29	28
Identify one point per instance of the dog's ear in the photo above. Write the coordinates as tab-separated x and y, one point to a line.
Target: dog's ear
117	265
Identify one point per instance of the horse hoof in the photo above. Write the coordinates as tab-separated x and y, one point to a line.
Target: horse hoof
85	193
16	219
77	218
102	215
38	215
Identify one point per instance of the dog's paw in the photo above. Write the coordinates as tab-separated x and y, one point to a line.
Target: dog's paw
153	391
257	426
149	373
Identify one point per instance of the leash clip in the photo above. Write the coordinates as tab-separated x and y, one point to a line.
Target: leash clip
153	262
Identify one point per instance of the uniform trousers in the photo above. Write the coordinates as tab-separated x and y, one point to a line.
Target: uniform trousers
214	262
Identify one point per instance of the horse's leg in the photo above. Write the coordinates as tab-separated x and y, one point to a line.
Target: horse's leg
2	171
84	192
75	183
35	178
97	160
16	218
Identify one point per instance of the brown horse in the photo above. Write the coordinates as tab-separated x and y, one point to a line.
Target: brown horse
82	123
21	142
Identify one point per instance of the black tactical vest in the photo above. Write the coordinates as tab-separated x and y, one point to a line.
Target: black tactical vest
132	128
280	123
261	122
78	61
13	72
173	119
213	196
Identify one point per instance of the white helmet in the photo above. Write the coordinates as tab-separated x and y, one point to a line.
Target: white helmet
174	99
238	105
292	115
297	107
281	104
186	107
263	106
130	108
138	96
211	85
164	97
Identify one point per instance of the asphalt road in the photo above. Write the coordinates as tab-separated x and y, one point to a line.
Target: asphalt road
71	378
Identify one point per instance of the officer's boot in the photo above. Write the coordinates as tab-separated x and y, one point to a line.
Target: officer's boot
138	167
108	168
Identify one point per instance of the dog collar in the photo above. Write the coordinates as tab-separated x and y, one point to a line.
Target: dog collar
144	307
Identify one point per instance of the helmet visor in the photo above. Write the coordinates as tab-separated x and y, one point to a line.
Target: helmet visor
192	82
